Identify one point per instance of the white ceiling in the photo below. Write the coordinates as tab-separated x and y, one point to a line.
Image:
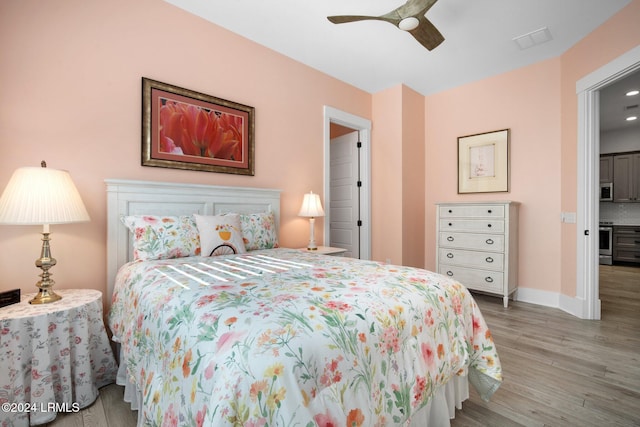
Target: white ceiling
615	106
376	55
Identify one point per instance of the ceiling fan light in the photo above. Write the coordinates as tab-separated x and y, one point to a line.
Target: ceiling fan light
632	118
632	92
408	24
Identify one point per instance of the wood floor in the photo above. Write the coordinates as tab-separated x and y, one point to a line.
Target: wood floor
562	371
559	370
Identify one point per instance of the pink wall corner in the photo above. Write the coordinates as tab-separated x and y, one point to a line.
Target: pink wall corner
71	94
413	178
607	42
527	101
398	176
386	179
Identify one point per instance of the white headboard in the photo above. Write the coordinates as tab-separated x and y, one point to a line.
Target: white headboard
125	197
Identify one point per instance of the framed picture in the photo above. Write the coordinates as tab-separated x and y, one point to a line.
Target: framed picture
483	162
183	129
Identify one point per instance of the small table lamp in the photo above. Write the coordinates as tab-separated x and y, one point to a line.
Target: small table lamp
311	207
42	196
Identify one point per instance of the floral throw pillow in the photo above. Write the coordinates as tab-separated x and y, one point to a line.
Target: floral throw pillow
162	237
220	234
259	231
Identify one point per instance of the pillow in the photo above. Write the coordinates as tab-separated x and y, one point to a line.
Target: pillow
162	237
259	230
220	234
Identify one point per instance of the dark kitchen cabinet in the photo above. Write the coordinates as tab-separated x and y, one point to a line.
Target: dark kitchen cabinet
606	169
626	177
626	244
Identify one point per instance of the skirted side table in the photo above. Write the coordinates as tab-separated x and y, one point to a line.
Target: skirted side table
53	357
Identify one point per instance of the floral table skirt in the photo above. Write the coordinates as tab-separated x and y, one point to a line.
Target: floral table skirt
53	357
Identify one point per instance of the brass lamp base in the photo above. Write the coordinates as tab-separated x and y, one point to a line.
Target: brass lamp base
45	294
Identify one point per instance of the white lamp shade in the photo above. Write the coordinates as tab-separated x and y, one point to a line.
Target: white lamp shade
36	196
311	206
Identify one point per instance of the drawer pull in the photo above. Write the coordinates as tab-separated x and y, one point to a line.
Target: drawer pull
489	259
449	255
449	273
636	241
450	211
450	238
489	225
488	279
450	224
490	242
489	211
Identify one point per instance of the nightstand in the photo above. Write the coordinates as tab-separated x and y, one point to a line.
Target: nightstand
54	356
326	250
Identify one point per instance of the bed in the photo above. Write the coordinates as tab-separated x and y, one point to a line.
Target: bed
281	337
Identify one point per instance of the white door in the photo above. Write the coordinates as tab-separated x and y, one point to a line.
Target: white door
344	214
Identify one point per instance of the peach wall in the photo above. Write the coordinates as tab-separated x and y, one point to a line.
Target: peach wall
413	182
70	85
397	156
386	181
70	91
527	101
615	37
539	104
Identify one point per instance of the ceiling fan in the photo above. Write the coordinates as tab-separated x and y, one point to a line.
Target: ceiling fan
408	17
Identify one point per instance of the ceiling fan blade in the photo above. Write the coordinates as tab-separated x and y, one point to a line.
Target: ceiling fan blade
414	8
409	17
342	19
427	34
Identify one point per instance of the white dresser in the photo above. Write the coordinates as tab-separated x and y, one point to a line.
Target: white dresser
477	244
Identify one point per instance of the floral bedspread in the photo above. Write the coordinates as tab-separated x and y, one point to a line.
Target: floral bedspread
288	338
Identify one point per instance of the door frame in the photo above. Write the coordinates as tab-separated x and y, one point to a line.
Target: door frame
363	126
587	299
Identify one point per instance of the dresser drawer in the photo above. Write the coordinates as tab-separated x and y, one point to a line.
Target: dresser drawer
480	280
486	260
471	211
485	242
472	225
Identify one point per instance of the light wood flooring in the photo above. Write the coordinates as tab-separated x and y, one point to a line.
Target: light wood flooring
559	370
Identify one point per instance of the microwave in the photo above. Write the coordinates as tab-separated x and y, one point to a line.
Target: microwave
606	191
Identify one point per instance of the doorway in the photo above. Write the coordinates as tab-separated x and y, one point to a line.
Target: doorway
362	129
344	215
587	305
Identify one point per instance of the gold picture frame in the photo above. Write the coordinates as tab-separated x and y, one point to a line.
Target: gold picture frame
184	129
483	162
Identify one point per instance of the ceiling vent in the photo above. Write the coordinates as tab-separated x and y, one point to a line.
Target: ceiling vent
533	38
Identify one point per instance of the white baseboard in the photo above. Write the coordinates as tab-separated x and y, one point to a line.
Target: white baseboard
572	305
536	296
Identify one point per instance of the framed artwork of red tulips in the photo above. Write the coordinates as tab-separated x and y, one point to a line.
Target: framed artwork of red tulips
183	129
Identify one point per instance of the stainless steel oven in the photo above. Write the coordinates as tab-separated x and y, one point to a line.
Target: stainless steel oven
606	242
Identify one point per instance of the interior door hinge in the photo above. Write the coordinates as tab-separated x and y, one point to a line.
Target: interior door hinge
359	183
359	223
586	232
359	144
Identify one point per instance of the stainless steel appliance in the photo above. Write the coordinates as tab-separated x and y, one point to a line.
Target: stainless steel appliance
606	192
606	242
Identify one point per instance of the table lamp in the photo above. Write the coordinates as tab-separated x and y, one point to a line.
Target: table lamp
42	196
311	207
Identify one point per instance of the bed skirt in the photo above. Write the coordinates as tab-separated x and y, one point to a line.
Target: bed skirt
437	413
